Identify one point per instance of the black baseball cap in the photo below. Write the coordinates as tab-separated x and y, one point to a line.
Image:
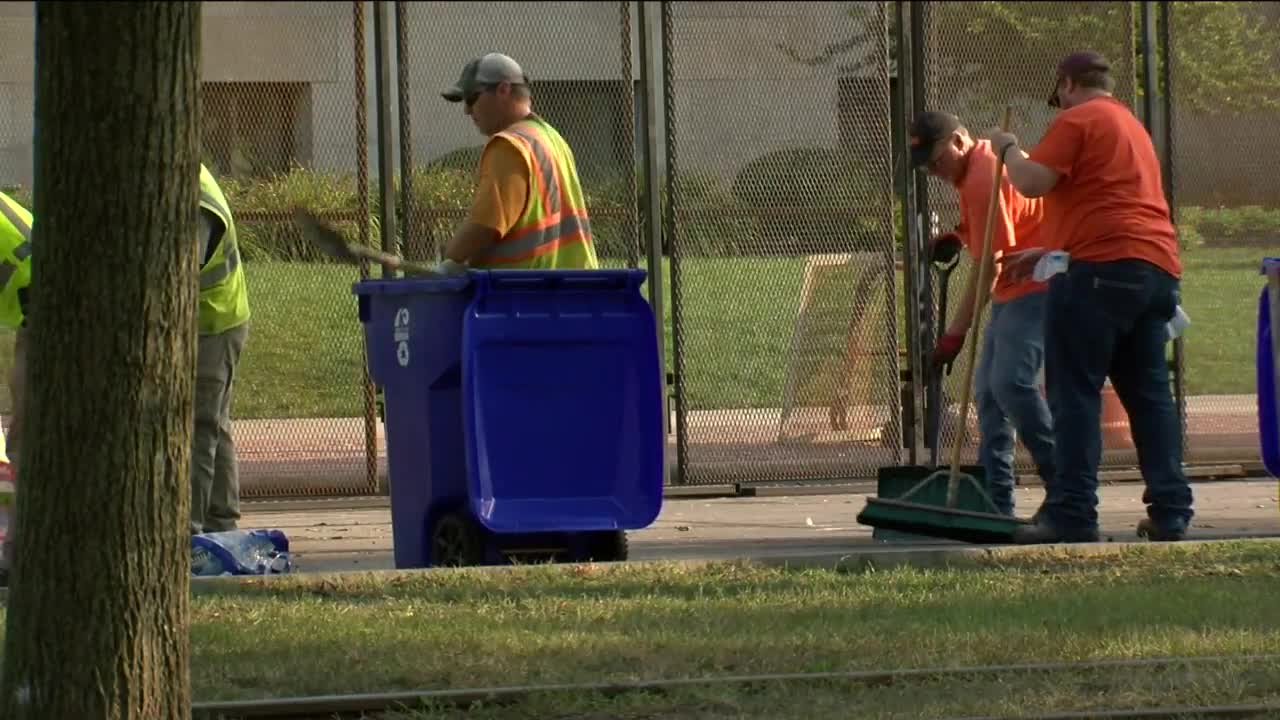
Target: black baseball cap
1075	65
926	130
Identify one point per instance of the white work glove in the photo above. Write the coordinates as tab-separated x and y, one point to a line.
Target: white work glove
449	267
1179	323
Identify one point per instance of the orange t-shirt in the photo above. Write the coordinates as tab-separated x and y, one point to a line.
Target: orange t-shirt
502	187
1017	222
1109	203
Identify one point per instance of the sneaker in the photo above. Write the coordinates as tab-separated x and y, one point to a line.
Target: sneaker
1148	529
1040	533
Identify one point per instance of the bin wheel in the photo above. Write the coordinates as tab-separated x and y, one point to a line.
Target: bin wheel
607	547
456	541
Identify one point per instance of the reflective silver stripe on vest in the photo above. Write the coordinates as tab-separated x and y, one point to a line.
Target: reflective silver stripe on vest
550	185
523	245
16	220
215	274
208	199
23	250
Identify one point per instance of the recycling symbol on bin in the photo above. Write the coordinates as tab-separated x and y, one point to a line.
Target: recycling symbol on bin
401	335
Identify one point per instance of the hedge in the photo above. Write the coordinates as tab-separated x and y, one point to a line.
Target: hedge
782	203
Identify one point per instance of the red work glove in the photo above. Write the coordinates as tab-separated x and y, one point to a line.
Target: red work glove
947	349
945	247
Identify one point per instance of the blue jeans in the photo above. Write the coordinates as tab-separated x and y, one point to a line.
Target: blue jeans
1008	396
1108	319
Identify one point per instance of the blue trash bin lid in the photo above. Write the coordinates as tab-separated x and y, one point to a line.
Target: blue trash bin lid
562	403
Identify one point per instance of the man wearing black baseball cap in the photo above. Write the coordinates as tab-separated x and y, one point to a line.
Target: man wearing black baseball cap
529	210
1099	175
1006	381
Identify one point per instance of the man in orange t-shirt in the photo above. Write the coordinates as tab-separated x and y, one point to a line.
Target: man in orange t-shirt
1006	380
1099	175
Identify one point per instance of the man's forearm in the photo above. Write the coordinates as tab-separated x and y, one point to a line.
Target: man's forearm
1027	176
470	243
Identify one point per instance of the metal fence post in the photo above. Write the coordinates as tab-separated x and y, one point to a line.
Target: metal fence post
1164	46
634	239
652	221
362	202
911	264
383	36
406	134
670	235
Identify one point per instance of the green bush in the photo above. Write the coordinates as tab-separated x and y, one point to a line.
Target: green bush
1244	225
1247	223
813	200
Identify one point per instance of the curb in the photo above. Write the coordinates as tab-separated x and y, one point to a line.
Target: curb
837	561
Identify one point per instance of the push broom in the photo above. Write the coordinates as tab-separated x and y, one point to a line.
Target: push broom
948	521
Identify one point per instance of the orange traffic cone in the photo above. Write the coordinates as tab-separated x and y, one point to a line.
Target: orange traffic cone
1115	421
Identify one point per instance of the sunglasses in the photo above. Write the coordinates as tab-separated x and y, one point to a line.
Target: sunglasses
471	99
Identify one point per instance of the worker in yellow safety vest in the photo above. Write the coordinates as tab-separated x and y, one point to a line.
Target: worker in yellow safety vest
529	210
15	279
223	323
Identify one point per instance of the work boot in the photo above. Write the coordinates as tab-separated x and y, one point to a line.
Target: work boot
1042	533
1148	529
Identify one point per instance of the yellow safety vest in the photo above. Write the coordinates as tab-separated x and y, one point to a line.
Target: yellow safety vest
224	295
15	260
554	231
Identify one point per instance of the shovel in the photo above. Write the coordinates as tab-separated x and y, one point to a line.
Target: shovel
329	240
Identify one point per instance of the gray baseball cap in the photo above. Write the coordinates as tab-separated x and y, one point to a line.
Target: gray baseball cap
488	70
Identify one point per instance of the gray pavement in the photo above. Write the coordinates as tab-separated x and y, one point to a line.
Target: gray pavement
763	528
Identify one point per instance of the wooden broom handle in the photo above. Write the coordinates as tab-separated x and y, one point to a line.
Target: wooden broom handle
980	295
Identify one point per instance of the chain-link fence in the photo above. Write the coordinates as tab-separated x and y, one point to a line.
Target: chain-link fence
292	131
786	321
781	238
981	57
1225	77
284	107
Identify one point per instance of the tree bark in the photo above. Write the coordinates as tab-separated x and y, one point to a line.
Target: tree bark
98	612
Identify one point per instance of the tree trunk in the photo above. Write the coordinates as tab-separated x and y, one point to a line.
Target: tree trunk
98	612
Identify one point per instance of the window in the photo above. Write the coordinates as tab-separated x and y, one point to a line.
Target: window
255	129
591	115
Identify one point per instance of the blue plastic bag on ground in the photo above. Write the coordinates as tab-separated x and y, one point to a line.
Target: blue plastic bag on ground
240	552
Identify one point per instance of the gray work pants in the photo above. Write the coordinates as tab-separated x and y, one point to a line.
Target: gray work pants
215	477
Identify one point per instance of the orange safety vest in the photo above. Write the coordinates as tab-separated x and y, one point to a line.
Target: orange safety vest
554	231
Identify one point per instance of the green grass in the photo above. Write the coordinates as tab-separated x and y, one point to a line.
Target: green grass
371	632
304	356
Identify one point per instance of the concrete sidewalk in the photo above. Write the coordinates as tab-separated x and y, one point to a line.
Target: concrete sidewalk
763	527
303	457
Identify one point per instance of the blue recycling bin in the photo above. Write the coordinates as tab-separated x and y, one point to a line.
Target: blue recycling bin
522	409
1268	403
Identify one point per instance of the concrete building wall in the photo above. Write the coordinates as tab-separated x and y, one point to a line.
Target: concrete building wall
732	80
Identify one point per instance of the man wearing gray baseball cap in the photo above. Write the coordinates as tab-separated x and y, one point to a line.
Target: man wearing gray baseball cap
529	210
